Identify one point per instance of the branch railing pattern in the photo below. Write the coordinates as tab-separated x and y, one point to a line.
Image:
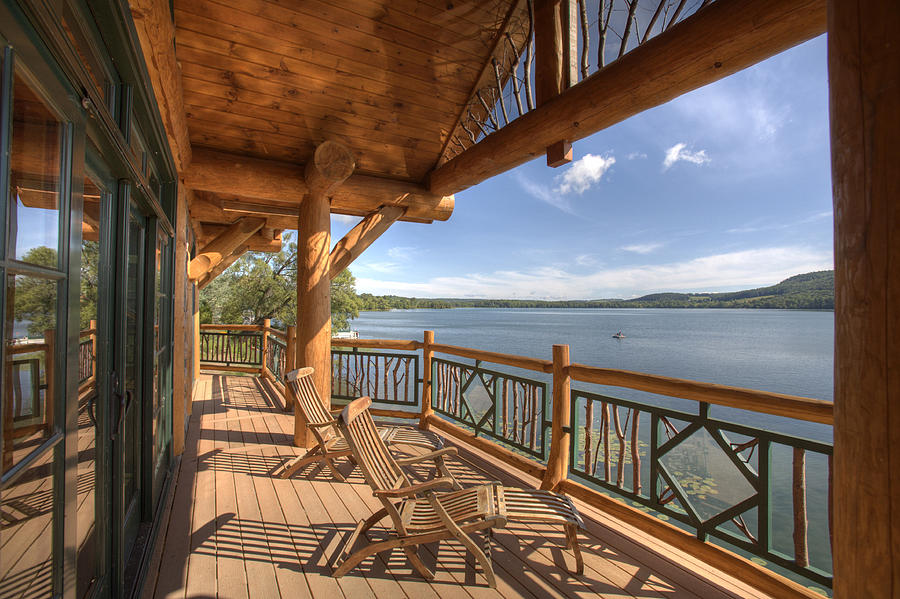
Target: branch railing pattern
388	378
717	478
616	28
231	348
511	409
276	353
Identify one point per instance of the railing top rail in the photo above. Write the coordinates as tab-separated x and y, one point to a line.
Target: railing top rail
495	357
26	348
403	344
231	327
87	333
777	404
276	333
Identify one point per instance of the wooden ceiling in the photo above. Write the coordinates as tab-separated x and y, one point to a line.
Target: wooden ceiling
388	78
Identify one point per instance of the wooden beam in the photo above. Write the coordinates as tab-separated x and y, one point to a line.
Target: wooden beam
262	209
864	90
222	246
361	237
156	32
331	165
723	38
258	242
222	266
268	181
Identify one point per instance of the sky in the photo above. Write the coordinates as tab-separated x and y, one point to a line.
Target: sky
725	188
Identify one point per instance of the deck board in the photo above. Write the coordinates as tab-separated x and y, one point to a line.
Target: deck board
236	531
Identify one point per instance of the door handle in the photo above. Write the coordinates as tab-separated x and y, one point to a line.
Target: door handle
90	410
124	404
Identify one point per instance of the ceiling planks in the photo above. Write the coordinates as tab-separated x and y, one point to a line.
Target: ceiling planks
274	78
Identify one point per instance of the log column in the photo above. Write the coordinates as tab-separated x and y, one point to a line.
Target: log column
864	89
331	164
556	46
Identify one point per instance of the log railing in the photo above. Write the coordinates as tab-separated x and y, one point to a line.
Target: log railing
234	347
664	464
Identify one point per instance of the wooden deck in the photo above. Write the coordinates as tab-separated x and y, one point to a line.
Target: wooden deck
233	530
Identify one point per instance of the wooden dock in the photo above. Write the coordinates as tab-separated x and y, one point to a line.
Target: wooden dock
234	530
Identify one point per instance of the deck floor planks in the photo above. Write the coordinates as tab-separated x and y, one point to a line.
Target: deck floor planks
231	575
259	536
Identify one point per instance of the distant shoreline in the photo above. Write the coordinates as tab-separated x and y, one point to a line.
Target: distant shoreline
809	291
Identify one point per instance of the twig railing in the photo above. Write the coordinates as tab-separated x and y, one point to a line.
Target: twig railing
617	27
762	492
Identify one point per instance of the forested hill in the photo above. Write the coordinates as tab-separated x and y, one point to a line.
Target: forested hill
810	291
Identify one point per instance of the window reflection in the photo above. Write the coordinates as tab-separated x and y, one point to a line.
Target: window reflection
28	418
34	175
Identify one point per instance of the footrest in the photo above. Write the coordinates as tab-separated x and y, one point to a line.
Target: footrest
535	505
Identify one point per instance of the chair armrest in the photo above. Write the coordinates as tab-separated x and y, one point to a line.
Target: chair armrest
337	410
322	424
435	484
426	456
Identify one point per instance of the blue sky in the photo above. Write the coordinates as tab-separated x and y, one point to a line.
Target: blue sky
725	188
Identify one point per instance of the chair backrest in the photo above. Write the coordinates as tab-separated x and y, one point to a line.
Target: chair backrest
378	466
308	400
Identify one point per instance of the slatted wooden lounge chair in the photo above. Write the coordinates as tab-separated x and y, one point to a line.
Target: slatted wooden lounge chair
330	444
419	512
426	512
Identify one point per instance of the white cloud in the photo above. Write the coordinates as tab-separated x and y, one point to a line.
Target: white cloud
583	173
382	267
402	252
641	248
544	194
585	260
678	153
636	156
345	219
748	268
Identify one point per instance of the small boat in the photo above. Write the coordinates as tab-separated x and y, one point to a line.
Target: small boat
619	335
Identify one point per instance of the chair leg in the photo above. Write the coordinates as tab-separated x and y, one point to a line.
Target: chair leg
373	520
313	455
413	554
572	542
334	471
465	539
362	553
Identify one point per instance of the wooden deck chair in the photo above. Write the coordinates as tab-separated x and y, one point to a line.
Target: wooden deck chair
418	511
330	444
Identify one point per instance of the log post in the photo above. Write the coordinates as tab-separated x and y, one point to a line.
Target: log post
560	433
864	94
427	355
196	334
289	351
556	46
331	164
267	323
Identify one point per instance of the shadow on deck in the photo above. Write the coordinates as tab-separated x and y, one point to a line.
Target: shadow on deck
233	530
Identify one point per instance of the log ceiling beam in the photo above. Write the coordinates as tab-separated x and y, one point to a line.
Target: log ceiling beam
360	237
156	33
223	246
222	266
256	183
724	37
258	242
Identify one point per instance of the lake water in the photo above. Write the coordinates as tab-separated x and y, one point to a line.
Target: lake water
783	351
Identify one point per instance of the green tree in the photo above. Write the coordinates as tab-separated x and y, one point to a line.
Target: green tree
264	285
35	297
344	301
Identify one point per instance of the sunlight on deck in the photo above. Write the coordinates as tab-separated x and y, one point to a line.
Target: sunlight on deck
234	530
